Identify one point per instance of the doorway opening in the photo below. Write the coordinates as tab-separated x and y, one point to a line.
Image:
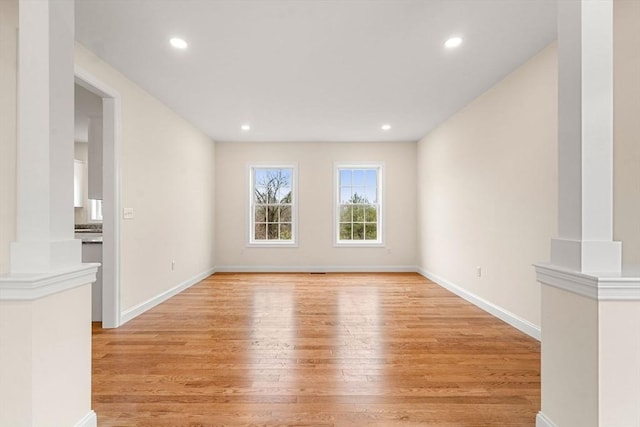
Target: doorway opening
110	176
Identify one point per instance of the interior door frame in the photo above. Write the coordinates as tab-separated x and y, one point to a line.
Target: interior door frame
111	226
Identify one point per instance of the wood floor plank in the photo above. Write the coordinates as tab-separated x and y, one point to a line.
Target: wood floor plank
315	350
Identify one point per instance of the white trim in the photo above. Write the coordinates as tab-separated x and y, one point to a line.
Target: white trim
543	421
112	137
93	84
89	420
594	286
250	241
380	168
619	289
137	310
30	287
316	269
568	280
359	244
512	319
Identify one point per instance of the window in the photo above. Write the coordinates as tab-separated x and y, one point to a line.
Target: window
358	214
272	205
95	210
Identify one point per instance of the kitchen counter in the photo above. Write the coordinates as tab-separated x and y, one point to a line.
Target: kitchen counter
92	238
89	233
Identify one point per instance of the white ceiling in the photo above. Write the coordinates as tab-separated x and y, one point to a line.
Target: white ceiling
315	70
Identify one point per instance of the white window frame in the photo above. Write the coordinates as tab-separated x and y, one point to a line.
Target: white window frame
251	241
338	166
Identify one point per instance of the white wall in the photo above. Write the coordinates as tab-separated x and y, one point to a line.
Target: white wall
8	129
626	131
570	359
15	361
487	189
619	341
619	355
619	362
167	171
47	359
315	192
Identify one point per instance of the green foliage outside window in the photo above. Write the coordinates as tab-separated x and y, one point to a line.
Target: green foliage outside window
358	219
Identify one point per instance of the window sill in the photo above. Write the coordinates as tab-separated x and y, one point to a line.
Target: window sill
272	244
359	245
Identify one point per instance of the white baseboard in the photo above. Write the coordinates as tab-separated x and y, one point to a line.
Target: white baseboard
89	420
497	311
543	421
137	310
316	269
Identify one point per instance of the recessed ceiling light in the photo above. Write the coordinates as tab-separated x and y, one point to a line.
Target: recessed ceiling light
385	127
245	128
453	42
178	43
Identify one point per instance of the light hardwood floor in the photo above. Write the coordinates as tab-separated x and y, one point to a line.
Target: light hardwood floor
315	350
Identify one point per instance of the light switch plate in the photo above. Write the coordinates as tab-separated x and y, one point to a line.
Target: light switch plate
127	213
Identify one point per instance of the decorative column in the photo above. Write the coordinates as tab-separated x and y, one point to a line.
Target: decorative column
45	238
585	138
45	299
590	358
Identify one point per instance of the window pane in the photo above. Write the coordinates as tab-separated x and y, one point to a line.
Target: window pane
283	185
358	231
371	194
358	195
270	173
260	232
285	213
345	194
285	177
358	213
370	214
372	178
259	175
285	231
260	214
371	231
272	185
358	176
260	195
273	213
284	195
270	196
345	177
345	231
272	231
345	213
